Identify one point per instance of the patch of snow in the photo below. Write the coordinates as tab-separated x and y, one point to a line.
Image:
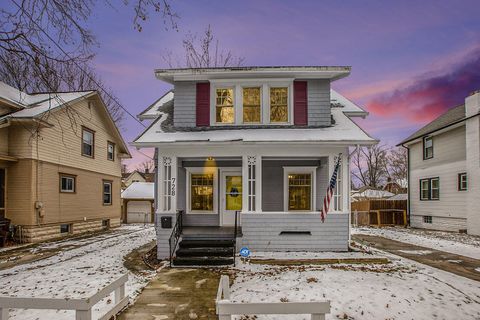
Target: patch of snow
152	111
417	252
477	269
400	196
456	243
347	105
311	255
400	290
139	190
84	267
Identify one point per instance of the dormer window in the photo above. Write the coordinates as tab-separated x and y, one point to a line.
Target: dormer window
224	106
279	105
252	105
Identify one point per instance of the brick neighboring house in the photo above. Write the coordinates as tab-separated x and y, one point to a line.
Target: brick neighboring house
67	178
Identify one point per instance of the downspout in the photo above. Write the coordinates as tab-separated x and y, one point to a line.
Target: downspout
408	184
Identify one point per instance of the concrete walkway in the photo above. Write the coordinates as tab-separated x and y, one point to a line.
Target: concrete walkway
457	264
177	294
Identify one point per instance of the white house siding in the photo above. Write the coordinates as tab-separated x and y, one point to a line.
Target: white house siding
449	212
472	105
184	102
318	95
261	232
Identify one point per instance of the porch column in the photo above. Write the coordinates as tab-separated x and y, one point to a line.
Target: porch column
167	184
252	183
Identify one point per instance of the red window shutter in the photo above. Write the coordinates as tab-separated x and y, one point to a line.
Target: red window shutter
203	104
300	103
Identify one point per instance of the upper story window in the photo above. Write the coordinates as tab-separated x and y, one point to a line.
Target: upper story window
88	142
251	102
224	106
110	151
252	105
427	148
279	104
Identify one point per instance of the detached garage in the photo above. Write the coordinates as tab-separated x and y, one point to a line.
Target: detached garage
138	203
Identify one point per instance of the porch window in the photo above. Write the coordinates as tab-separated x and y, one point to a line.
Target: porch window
279	105
300	192
251	105
201	192
224	105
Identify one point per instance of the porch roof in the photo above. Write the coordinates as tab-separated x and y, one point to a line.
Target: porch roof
344	132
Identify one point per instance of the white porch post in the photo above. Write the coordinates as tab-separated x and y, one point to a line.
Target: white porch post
252	183
167	184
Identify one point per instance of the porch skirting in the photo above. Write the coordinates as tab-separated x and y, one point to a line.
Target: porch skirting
263	232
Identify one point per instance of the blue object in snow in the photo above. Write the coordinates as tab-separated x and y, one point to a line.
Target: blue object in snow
244	252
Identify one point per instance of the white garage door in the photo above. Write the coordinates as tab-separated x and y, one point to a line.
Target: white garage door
139	212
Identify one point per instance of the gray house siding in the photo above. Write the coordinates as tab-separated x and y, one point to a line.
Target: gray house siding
272	181
184	104
318	95
262	232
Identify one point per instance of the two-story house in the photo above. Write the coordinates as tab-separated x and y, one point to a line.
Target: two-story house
256	147
60	170
444	170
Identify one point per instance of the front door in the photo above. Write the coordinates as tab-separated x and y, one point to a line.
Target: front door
231	196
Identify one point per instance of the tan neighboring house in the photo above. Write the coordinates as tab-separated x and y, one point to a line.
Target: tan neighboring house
60	163
136	176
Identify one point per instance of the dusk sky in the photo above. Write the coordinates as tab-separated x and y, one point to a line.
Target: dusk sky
411	60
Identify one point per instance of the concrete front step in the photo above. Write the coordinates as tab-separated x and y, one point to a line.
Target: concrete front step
205	252
202	261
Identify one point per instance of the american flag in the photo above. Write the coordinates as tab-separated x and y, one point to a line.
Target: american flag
331	186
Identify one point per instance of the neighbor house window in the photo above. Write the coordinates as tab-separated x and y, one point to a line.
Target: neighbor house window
67	183
88	142
224	106
279	104
252	105
427	148
462	181
427	219
65	228
430	189
111	151
201	192
107	193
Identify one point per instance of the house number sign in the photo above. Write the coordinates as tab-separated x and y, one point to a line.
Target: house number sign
172	190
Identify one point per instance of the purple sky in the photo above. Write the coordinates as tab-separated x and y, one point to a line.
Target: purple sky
411	60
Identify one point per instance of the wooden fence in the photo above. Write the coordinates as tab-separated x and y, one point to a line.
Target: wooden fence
379	212
226	308
82	307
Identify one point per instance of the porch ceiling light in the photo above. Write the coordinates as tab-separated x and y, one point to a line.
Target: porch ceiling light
210	159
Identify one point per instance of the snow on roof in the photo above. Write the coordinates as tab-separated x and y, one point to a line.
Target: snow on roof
152	112
139	190
400	196
344	130
372	193
337	100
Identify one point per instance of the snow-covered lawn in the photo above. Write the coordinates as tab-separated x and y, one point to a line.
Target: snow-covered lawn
402	289
80	269
456	243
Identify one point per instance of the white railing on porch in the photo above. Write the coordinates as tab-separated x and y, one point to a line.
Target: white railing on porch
226	308
83	307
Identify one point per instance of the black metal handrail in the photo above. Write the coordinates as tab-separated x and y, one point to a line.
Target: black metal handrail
175	236
235	237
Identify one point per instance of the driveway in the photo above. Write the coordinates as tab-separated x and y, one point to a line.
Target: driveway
454	263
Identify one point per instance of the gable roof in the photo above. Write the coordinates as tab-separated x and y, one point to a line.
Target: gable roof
139	190
33	106
152	111
452	116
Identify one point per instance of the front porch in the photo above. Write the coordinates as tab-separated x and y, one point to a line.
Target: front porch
278	194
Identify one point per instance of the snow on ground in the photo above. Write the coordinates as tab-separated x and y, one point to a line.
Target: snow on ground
456	243
80	269
313	255
400	290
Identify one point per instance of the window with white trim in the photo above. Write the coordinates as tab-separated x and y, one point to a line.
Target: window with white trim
224	106
427	148
279	104
252	105
299	188
67	183
107	193
462	181
201	192
430	189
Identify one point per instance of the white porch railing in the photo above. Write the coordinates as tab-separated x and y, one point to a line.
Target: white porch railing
226	308
82	307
